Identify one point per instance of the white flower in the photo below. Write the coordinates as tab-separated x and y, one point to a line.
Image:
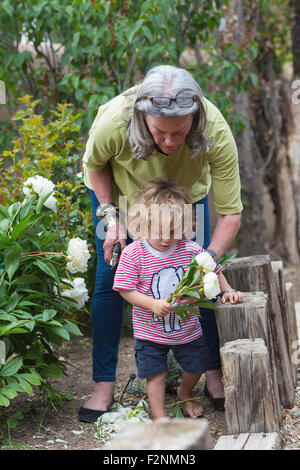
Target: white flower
211	285
78	291
113	422
78	256
206	262
40	186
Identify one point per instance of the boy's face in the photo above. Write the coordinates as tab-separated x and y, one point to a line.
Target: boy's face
161	241
162	244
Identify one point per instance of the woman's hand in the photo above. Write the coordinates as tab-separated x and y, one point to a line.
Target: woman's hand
232	297
115	233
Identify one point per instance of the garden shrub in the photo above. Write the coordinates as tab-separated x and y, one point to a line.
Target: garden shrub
46	255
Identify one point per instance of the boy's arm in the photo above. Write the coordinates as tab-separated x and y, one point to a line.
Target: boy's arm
158	306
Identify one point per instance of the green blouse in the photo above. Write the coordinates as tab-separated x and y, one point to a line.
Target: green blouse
216	168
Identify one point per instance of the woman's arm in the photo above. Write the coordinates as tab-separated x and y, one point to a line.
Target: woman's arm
102	187
224	233
101	183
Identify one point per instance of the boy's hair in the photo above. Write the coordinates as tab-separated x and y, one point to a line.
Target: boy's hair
161	209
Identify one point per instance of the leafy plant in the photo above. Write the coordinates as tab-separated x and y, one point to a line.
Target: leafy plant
35	314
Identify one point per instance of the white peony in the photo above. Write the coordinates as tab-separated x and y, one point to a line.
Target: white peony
211	285
78	255
78	291
40	186
206	262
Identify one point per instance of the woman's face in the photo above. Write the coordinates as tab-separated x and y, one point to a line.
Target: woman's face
169	133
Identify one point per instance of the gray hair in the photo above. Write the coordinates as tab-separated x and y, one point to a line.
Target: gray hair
167	81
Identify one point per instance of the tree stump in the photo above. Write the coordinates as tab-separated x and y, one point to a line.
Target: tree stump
255	273
287	304
247	441
249	395
246	320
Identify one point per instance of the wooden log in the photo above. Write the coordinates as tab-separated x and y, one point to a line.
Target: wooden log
249	395
249	441
255	273
292	324
287	311
246	320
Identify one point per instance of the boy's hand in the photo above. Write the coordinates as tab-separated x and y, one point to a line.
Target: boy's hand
232	297
161	307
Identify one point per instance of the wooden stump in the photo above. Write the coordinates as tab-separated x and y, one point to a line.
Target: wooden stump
246	320
292	324
288	311
255	273
249	395
249	441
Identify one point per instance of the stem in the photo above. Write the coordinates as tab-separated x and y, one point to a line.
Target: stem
182	401
38	253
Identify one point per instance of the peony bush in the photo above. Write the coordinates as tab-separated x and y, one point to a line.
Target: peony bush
46	252
39	296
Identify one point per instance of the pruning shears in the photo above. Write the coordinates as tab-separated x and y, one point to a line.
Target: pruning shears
115	255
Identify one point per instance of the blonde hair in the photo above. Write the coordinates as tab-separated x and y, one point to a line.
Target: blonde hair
161	208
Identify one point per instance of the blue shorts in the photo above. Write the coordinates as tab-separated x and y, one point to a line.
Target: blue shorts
151	358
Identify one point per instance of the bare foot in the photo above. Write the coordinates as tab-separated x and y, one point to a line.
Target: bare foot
191	408
102	396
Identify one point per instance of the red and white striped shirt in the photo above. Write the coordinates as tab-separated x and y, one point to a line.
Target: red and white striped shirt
155	273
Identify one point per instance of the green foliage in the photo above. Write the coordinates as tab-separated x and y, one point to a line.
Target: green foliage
34	316
88	52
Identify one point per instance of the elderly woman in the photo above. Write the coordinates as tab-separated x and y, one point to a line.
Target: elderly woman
162	128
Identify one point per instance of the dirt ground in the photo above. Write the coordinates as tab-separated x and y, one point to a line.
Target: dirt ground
52	427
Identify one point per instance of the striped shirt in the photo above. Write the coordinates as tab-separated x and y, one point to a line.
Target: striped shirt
155	273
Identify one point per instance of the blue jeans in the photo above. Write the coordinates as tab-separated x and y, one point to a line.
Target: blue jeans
108	311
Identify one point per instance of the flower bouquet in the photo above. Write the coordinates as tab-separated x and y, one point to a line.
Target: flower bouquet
198	281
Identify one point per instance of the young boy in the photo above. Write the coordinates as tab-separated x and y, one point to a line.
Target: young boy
149	270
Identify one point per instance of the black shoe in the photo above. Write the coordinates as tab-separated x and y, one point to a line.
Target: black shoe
218	403
88	415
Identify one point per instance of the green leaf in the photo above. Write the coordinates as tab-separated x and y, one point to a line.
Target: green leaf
33	379
254	79
26	386
4	224
3	400
51	370
60	331
72	328
11	367
41	201
12	261
20	227
9	392
48	314
12	302
47	268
